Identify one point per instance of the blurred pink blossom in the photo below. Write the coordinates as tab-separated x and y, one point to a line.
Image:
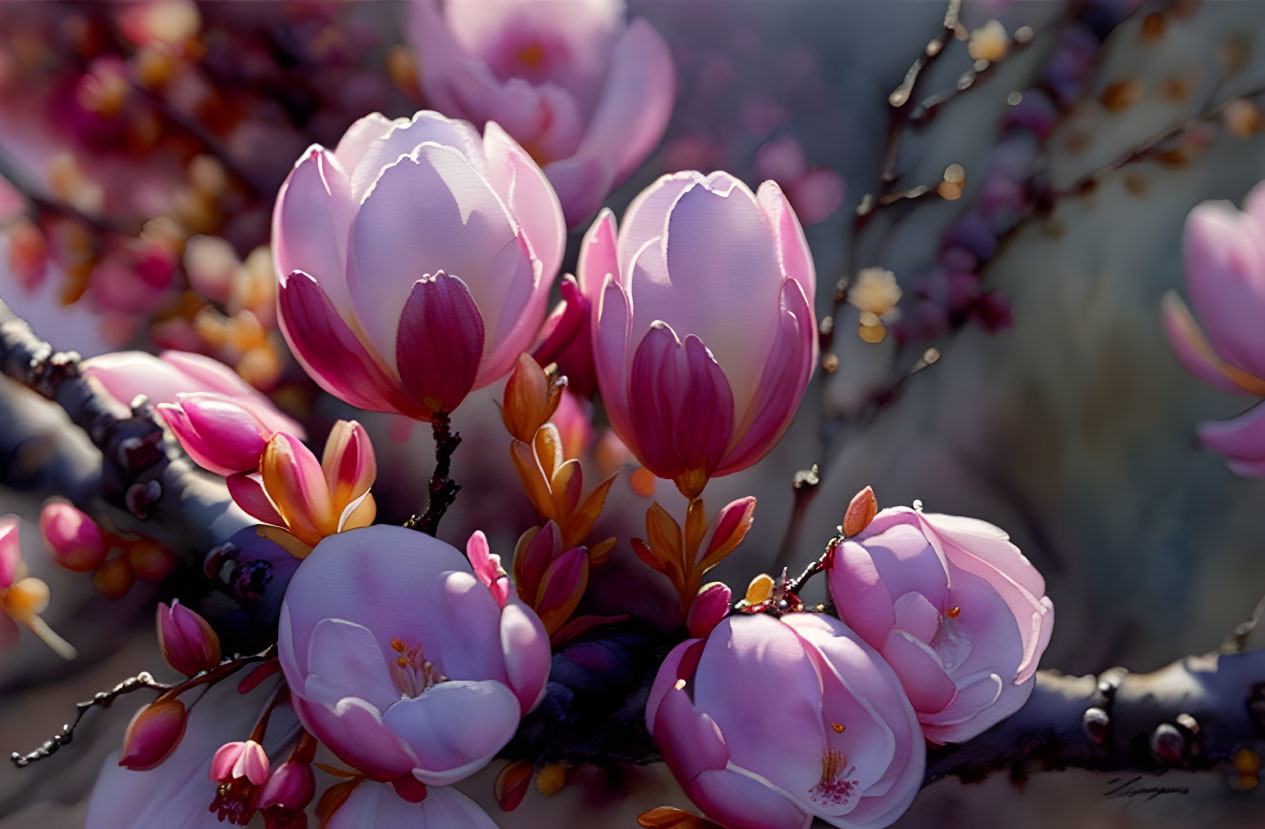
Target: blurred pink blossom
1224	251
588	96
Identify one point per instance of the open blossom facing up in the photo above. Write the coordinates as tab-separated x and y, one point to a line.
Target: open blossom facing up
704	337
415	261
586	95
1224	251
841	742
404	662
955	609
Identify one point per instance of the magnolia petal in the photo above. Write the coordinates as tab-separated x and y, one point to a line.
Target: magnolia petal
439	342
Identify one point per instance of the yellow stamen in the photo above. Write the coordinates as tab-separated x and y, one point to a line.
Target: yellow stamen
838	727
954	612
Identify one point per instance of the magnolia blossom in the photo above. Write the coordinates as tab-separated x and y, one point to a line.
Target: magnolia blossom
704	337
954	608
586	95
1224	252
415	261
181	383
403	661
775	722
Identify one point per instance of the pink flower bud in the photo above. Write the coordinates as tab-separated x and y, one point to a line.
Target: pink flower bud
220	435
289	789
709	607
153	734
188	643
704	337
74	540
592	100
241	770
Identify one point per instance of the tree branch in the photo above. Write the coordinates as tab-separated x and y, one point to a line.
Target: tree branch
442	489
1193	714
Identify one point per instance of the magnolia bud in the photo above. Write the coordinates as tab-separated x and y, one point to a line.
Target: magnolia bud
710	606
860	512
74	540
511	784
188	643
153	734
290	788
113	578
530	399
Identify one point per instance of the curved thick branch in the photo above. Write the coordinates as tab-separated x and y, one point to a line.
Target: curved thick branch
141	481
1193	714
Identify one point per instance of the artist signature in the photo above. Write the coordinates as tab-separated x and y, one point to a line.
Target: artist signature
1127	787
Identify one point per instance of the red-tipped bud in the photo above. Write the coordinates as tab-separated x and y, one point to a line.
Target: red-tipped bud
530	399
710	606
726	532
153	734
74	540
349	463
188	643
511	784
536	548
861	511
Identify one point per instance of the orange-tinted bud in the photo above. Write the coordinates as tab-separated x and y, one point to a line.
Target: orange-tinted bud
861	511
531	397
114	578
511	784
153	734
149	560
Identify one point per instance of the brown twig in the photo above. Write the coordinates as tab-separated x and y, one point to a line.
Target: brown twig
11	171
442	489
981	71
102	699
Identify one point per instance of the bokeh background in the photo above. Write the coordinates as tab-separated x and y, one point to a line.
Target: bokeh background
1071	427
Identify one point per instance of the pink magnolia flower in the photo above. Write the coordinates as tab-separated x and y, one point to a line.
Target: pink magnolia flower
376	806
775	722
588	97
1224	252
403	661
415	261
954	608
704	337
181	376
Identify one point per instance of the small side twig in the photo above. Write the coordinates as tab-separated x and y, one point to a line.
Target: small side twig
797	584
443	489
102	699
804	485
973	77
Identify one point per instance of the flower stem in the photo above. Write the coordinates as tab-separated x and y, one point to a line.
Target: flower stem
443	489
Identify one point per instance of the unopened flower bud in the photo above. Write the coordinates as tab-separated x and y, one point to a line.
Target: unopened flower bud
149	560
290	788
113	578
551	779
530	399
860	512
1167	743
188	643
153	734
511	784
74	540
709	607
